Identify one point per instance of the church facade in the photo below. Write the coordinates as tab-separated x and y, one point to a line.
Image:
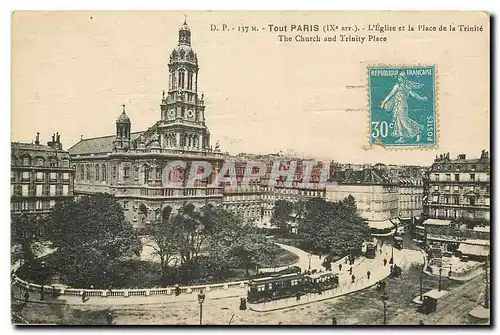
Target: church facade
130	164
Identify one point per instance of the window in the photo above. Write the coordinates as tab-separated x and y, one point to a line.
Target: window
11	190
436	177
448	177
52	190
40	162
53	176
82	172
66	176
52	203
38	204
435	198
24	190
446	200
104	173
126	173
12	175
39	190
113	174
97	173
26	176
125	205
39	176
473	168
65	163
65	189
457	177
26	160
472	201
472	177
53	162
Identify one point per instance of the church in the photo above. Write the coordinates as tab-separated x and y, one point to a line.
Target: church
130	165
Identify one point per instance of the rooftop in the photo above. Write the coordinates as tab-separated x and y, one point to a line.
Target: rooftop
98	145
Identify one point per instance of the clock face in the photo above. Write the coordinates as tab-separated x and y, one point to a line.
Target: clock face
190	114
171	113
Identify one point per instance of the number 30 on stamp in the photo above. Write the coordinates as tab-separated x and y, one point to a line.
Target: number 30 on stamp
403	106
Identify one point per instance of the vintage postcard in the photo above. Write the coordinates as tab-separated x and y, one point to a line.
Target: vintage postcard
250	168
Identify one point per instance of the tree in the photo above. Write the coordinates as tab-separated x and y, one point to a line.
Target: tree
91	235
333	227
24	235
251	249
161	238
282	211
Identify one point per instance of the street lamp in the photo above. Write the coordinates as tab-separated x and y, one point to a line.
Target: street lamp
391	261
384	301
440	272
201	298
421	290
309	261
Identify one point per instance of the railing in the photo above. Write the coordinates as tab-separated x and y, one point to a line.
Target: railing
127	292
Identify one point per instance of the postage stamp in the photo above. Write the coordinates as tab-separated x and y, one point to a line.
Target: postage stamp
403	106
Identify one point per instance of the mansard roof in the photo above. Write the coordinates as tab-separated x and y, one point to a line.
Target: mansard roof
366	176
98	145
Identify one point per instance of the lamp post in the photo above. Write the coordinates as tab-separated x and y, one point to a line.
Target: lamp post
309	261
421	290
201	298
384	301
440	272
391	261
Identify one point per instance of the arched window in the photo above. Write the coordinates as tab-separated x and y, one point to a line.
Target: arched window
40	161
97	173
146	174
88	172
53	162
181	78
104	174
82	172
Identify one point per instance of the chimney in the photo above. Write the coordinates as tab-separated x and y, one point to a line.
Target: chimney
37	140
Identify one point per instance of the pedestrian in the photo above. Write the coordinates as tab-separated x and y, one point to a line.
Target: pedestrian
84	296
421	323
392	267
54	293
368	273
42	293
346	260
381	251
350	270
353	278
340	267
109	318
334	321
385	261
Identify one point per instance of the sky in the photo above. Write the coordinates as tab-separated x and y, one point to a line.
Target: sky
72	71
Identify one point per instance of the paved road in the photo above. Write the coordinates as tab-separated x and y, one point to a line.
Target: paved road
451	309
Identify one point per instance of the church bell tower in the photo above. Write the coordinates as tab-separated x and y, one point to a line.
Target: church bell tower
182	109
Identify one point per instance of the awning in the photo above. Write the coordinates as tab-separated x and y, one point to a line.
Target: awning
435	294
436	222
380	225
474	250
